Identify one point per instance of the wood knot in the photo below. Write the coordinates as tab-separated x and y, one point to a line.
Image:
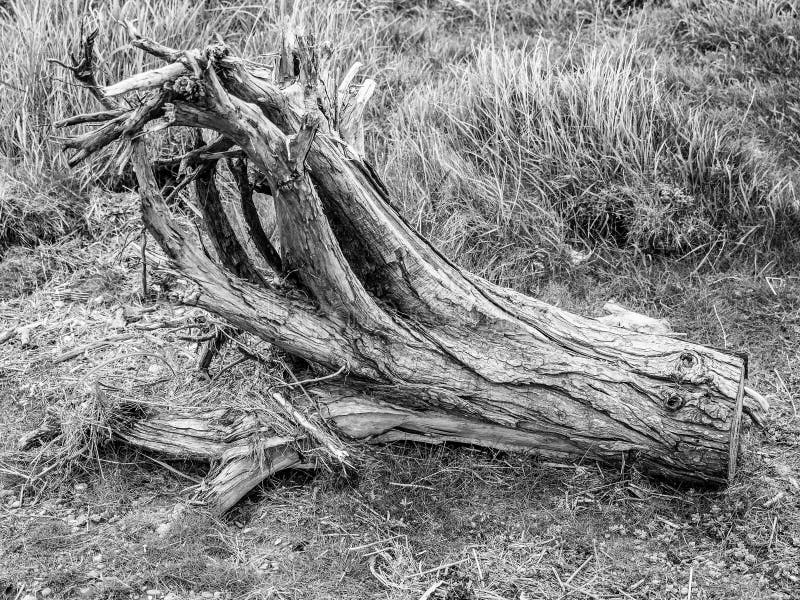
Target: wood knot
188	87
674	402
216	52
688	360
689	368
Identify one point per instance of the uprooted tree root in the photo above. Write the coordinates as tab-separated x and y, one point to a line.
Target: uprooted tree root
421	349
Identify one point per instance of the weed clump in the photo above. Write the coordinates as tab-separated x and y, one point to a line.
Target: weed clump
37	210
764	34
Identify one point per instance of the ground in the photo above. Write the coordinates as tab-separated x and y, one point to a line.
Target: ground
579	151
510	527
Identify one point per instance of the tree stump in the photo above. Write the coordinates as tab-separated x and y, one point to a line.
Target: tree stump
425	350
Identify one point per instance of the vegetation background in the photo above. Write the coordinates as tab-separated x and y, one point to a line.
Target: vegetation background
578	150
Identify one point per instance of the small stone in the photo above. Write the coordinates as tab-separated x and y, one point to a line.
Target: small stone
207	595
154	369
80	520
278	542
46	592
97	558
153	592
80	487
95	518
98	299
217	594
16	504
28	597
163	529
58	304
93	574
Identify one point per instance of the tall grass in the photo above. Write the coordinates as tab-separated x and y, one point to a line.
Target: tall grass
540	146
510	153
763	34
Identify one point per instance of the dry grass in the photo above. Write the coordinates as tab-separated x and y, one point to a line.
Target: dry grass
530	129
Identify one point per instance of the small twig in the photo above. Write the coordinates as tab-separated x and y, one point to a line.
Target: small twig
724	335
785	389
174	325
363	546
578	570
144	262
233	364
316	379
772	533
172	469
429	592
558	578
478	565
196	338
691	576
182	184
411	485
436	569
75	352
116	358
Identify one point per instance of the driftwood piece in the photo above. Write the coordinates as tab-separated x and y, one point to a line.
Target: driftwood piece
431	352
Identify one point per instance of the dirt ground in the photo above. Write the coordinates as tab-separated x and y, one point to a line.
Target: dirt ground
447	521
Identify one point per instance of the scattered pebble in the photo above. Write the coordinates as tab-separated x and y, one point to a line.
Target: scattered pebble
46	592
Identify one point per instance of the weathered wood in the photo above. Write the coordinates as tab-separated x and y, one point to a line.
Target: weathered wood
431	351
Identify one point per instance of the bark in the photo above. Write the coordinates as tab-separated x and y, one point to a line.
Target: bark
430	352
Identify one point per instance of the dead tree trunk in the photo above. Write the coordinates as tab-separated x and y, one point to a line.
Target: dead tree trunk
429	351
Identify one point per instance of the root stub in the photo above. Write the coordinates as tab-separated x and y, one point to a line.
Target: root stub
430	351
